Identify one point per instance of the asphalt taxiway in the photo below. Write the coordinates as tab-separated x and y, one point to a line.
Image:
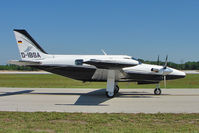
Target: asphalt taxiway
94	100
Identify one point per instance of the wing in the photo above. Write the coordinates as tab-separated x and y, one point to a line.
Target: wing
110	64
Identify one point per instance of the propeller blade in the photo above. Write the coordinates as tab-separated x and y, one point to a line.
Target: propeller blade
166	61
158	61
165	82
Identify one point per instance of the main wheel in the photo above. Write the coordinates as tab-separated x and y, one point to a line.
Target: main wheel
110	94
157	91
116	90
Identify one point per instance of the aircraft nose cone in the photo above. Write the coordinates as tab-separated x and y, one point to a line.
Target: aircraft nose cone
184	74
176	74
181	74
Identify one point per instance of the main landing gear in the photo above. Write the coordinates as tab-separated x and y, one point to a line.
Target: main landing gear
112	94
112	88
157	90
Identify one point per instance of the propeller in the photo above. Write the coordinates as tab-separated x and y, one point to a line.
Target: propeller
103	52
164	71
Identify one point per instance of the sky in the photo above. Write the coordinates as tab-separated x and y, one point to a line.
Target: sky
139	28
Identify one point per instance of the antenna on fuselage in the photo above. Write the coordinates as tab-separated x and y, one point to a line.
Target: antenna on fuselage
103	52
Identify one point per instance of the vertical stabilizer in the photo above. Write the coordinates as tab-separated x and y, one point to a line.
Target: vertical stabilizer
29	49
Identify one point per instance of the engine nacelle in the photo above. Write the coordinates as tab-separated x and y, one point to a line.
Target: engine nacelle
155	70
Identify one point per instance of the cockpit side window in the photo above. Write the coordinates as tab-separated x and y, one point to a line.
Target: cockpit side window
134	58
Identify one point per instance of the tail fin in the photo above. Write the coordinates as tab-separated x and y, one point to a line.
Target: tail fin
29	49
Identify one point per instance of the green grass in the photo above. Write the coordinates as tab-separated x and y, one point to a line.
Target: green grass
55	81
80	122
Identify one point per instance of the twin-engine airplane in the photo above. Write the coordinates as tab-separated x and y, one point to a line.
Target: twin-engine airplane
110	68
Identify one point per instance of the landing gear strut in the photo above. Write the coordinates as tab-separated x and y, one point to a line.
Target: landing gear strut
157	90
112	88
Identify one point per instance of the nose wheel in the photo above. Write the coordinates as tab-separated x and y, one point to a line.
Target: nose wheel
157	91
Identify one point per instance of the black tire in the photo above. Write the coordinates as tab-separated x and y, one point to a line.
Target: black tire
108	95
116	89
157	91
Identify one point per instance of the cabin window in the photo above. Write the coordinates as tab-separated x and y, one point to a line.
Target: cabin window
79	62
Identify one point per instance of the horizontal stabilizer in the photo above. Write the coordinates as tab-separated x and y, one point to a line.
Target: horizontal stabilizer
23	63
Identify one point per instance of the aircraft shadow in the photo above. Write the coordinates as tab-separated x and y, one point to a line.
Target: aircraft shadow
16	93
92	98
95	98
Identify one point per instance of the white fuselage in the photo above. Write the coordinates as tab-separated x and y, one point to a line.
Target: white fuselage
101	74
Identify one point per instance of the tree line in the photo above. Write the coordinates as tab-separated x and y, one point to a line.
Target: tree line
190	65
18	68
